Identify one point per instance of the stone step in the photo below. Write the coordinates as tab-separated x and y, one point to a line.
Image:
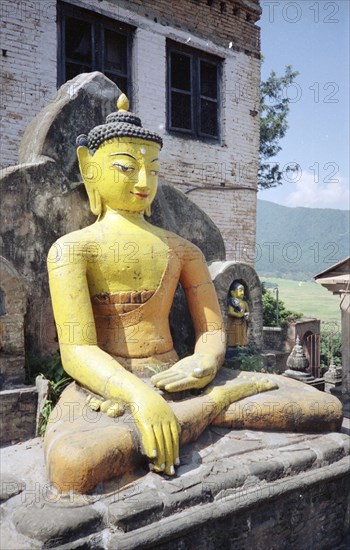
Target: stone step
18	408
234	488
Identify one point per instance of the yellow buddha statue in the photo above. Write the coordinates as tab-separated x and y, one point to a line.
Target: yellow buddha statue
238	316
112	286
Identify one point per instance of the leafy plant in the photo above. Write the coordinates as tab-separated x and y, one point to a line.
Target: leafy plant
52	369
269	304
247	359
55	390
254	363
49	366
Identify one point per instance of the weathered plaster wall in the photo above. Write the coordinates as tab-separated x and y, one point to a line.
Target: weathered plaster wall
11	325
225	29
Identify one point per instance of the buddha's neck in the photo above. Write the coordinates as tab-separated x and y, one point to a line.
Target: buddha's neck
122	216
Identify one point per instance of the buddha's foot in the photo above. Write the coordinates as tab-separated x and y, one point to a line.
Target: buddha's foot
262	383
243	386
111	408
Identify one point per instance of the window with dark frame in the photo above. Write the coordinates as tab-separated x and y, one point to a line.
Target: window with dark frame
193	96
89	42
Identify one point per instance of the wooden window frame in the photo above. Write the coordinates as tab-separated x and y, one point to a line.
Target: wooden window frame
196	56
99	24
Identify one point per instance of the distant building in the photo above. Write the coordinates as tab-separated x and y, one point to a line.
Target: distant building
337	279
191	69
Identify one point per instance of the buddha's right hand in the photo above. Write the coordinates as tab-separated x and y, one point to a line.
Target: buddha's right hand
159	431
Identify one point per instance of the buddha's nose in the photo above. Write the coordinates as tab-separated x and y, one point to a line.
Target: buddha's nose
142	181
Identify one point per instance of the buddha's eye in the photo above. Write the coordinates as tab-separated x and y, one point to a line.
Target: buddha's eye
122	168
153	172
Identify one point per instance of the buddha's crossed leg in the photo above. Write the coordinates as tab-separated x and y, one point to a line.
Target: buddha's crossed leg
84	447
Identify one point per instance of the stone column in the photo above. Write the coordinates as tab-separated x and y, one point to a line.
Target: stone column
345	331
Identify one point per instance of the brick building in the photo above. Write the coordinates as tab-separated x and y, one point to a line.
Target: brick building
191	69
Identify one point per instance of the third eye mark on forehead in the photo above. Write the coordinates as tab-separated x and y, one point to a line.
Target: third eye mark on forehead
127	155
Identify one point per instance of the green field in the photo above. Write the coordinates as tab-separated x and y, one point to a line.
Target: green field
308	298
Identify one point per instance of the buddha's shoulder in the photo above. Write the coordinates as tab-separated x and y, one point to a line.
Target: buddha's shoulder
183	248
80	236
74	246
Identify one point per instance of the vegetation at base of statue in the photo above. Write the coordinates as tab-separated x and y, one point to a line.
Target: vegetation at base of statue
248	359
269	303
274	109
51	368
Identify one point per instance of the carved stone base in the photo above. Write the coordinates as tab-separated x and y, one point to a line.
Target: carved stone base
300	376
333	386
234	489
305	377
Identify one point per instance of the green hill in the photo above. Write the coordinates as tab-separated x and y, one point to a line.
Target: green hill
298	243
308	298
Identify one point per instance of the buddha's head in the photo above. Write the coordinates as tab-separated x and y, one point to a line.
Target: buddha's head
118	162
237	290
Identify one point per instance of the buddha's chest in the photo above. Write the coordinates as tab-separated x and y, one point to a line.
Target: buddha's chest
127	262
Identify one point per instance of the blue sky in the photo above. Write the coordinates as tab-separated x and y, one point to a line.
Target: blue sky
313	37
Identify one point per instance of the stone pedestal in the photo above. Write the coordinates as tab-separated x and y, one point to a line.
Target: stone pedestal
334	387
297	364
317	383
333	379
306	377
234	489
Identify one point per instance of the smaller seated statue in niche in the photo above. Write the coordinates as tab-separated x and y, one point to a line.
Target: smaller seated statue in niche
238	313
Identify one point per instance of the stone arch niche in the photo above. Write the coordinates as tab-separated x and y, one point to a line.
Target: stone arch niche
223	275
12	312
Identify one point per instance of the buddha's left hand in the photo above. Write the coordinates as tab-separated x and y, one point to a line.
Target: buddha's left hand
193	372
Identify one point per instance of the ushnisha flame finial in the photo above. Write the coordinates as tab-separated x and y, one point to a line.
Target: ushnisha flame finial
123	103
119	124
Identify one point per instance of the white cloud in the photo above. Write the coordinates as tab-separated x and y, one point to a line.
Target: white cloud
318	194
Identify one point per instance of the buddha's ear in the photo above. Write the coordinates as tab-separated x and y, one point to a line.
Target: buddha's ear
90	172
85	163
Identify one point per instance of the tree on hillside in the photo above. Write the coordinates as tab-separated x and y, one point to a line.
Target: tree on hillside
274	109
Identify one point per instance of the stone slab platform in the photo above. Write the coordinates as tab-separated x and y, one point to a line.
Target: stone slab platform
237	489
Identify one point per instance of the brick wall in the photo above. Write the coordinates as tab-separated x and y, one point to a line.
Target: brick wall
226	29
17	415
228	21
220	178
28	68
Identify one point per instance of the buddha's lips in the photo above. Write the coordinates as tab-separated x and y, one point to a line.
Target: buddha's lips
141	195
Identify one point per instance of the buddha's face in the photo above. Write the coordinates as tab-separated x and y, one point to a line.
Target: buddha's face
125	173
238	293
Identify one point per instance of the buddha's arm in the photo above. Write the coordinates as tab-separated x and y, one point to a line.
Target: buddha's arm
97	370
197	370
